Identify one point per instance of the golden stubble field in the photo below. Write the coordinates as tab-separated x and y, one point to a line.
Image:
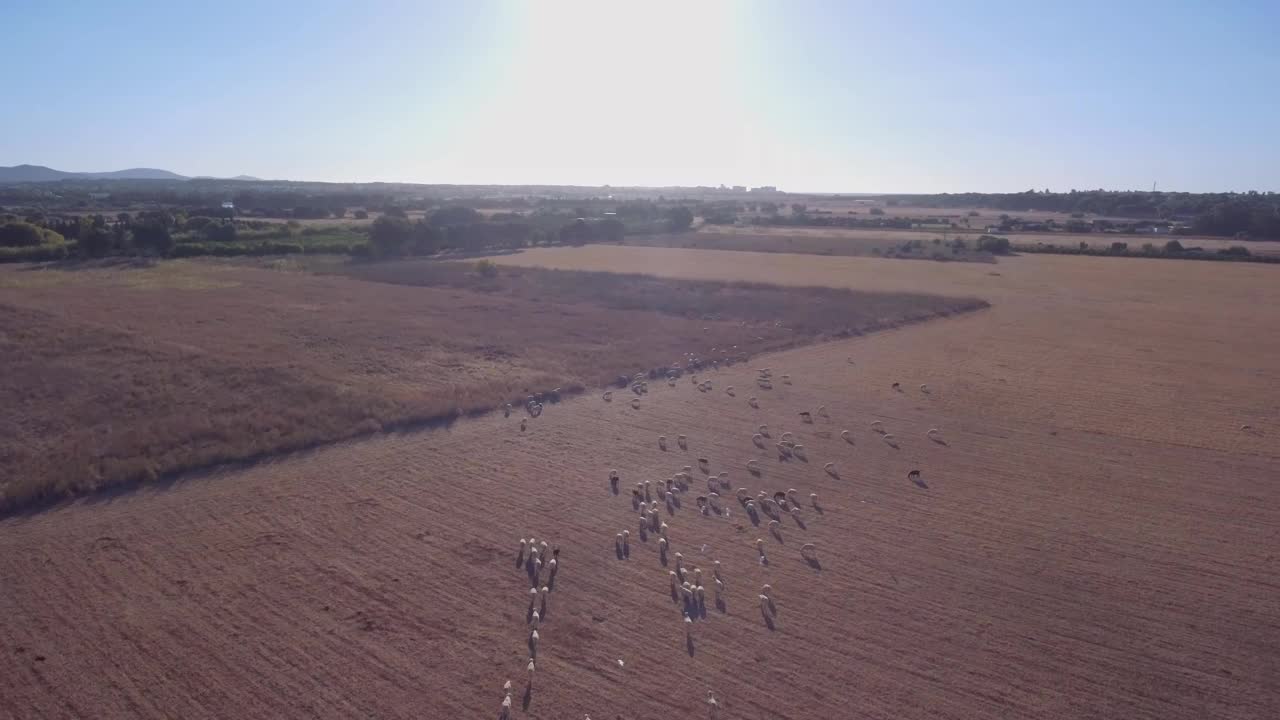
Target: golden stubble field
1097	539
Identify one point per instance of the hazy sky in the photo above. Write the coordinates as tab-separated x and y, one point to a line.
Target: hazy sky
837	96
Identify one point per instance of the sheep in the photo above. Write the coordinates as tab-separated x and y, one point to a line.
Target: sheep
813	500
662	529
719	588
533	643
767	591
697	576
723	477
775	528
662	442
787	437
770	506
891	440
897	386
764	604
758	440
763	430
617	542
786	379
822	412
506	411
784	450
809	552
729	391
754	402
635	403
791	495
799	451
662	545
686	470
877	426
524	545
742	494
529	669
683	442
704	464
543	592
608	396
1246	427
674	583
542	546
688	625
753	467
831	469
553	563
806	417
523	424
760	546
934	434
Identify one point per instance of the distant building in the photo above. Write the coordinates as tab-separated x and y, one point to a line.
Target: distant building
739	188
228	205
765	189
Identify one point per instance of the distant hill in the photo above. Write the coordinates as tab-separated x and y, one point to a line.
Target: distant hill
40	173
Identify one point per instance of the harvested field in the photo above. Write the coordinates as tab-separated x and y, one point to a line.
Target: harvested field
1095	539
120	374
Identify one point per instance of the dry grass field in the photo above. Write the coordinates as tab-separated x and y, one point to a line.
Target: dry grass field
121	374
861	242
1097	537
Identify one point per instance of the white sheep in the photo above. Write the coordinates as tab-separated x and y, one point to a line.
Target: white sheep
742	494
542	546
662	442
877	426
523	424
888	438
791	495
753	466
844	435
822	411
613	474
924	389
764	604
524	545
635	403
773	527
506	411
809	551
813	499
683	442
758	440
719	588
806	417
533	642
662	529
763	430
783	449
729	391
830	468
543	591
608	396
529	669
799	451
753	402
662	545
767	591
760	545
553	563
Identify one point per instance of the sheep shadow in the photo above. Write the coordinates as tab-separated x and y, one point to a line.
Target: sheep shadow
755	517
721	606
940	441
519	558
542	608
688	643
613	485
533	649
834	473
528	697
799	521
551	579
662	557
768	619
635	502
702	608
755	472
777	535
626	550
920	483
675	594
818	509
644	534
617	550
814	563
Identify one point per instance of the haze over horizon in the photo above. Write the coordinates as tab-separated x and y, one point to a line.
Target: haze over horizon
813	97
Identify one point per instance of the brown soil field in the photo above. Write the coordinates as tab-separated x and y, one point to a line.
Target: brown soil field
121	374
1097	537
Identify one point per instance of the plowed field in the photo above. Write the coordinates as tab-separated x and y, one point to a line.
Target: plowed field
1095	536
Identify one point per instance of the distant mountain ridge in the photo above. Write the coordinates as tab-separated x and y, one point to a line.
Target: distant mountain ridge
40	173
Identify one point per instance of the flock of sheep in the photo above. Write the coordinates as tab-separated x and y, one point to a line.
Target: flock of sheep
651	498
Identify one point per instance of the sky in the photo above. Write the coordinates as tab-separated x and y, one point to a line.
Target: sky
809	96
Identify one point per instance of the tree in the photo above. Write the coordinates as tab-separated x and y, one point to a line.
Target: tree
153	236
20	234
994	244
1173	246
679	218
1119	247
876	211
339	212
362	214
456	215
390	235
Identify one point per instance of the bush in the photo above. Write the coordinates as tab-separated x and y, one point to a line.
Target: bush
22	234
876	211
362	214
389	236
154	237
994	244
456	215
1173	246
1119	247
486	268
679	218
1236	251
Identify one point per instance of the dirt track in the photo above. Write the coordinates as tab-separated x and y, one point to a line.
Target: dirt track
1098	538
